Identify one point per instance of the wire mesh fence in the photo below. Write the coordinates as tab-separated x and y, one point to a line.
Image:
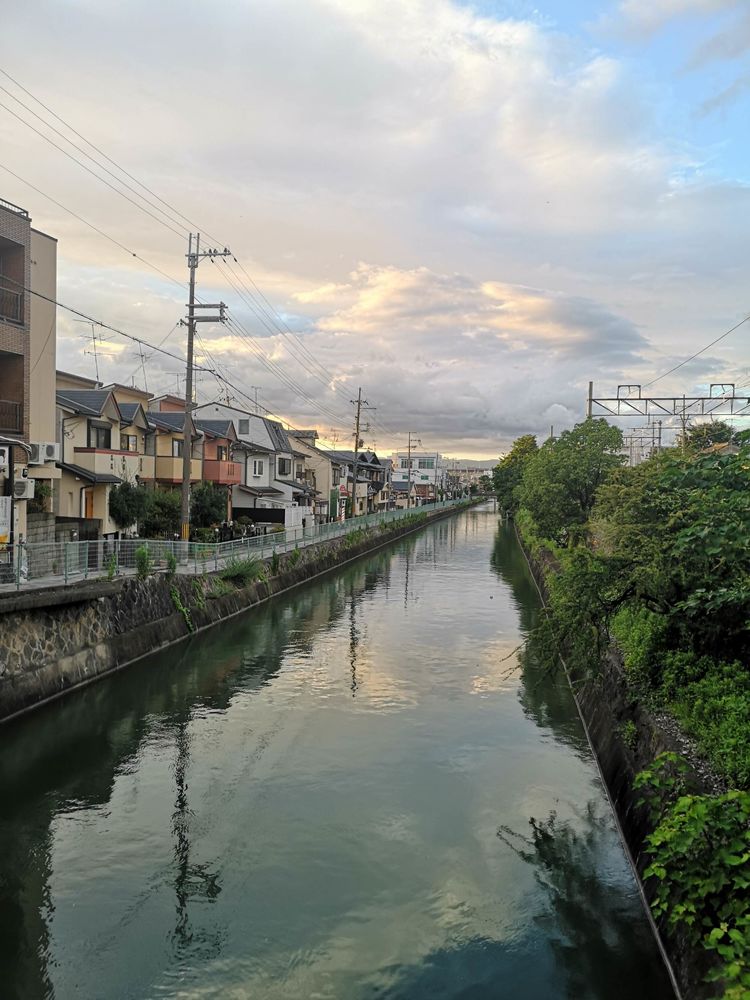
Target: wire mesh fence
54	563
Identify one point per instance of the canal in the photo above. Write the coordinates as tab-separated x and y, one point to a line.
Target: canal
357	791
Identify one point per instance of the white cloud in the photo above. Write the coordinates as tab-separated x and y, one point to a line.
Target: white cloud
512	191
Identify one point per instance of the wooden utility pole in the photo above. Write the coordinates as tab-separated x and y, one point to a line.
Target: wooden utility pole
194	256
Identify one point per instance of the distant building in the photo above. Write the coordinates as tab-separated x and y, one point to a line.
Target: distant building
428	469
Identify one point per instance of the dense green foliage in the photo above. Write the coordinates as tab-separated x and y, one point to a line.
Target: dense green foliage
559	482
700	868
242	572
127	504
506	476
208	505
657	559
162	517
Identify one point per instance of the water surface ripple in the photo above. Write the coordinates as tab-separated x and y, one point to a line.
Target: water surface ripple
329	797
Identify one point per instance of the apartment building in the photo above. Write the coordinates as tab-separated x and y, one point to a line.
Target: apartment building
428	472
28	264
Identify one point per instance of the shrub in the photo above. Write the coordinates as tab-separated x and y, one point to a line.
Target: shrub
241	572
127	504
143	563
171	565
219	588
275	562
208	505
640	635
700	866
111	566
163	513
294	557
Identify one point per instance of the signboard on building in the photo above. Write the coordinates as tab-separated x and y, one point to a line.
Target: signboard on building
5	511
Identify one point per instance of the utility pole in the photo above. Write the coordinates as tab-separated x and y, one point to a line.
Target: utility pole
256	389
358	403
194	257
408	462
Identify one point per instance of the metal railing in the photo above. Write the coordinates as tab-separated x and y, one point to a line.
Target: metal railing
10	416
54	563
11	304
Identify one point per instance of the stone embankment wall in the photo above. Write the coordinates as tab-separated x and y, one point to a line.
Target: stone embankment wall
606	703
56	639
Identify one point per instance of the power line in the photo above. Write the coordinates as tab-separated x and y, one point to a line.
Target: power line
70	156
96	229
697	353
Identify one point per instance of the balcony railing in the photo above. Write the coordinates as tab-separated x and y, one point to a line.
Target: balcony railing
11	304
11	416
218	471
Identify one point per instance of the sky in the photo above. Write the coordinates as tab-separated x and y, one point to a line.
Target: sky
469	209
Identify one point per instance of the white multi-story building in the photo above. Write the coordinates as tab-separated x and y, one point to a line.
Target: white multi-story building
428	472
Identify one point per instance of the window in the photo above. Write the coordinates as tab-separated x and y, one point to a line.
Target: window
100	437
257	466
176	448
128	442
427	463
222	453
405	463
284	466
300	473
244	426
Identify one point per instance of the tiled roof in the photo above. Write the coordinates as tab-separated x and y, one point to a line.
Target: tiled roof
216	428
90	477
90	401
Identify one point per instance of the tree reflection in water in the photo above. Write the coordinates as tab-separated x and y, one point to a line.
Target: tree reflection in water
592	924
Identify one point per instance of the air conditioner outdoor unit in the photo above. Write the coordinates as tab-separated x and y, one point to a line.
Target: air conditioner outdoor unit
4	457
37	453
51	451
23	489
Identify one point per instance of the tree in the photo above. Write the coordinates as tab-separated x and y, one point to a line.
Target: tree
127	504
208	505
560	480
485	484
506	476
700	437
162	515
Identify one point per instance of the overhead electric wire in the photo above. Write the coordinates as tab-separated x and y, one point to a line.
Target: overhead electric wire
100	151
93	172
697	353
96	229
83	152
261	306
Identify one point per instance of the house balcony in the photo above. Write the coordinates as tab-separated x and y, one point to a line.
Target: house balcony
222	473
126	465
11	417
169	470
11	304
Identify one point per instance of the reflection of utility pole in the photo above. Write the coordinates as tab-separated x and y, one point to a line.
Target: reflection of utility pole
194	257
191	880
353	643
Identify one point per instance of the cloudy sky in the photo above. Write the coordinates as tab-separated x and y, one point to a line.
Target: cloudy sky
469	209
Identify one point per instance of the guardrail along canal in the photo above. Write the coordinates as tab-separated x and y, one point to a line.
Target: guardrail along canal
328	797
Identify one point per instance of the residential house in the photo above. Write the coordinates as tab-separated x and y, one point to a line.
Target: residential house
168	427
272	487
28	262
219	446
326	475
404	495
92	430
372	473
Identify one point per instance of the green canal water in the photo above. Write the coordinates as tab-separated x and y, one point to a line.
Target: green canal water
328	797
